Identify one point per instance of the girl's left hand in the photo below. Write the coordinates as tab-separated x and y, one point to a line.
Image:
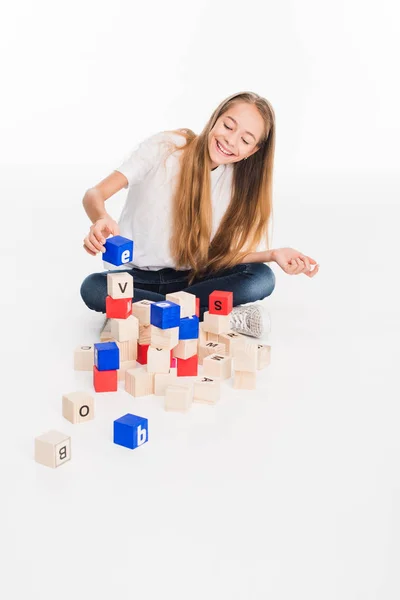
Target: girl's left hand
294	262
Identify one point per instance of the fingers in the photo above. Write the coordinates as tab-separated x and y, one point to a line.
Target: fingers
89	251
97	239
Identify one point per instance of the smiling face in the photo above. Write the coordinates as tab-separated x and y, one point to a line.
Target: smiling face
235	135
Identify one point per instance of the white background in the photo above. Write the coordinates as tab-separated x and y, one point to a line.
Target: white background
288	492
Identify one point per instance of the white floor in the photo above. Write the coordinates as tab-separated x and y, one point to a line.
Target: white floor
288	492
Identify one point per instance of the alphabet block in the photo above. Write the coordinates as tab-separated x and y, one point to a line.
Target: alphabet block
52	449
124	366
164	338
188	367
119	250
212	337
217	365
84	358
105	336
106	356
210	348
105	381
229	339
120	285
220	303
141	310
263	356
216	323
165	314
202	339
162	381
245	355
142	350
197	313
186	301
131	431
178	398
158	360
125	329
244	380
189	328
78	407
185	349
206	390
144	334
139	382
118	309
127	350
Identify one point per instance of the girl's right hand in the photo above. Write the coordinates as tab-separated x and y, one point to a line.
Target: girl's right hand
99	231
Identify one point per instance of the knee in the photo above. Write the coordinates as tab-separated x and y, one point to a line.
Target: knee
262	279
93	291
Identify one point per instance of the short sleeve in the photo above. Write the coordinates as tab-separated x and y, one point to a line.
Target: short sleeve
139	161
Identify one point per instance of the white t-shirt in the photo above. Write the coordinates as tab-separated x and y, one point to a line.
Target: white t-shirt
146	215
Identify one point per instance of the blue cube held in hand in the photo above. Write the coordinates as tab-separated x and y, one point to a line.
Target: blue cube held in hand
119	250
165	314
131	431
106	356
189	328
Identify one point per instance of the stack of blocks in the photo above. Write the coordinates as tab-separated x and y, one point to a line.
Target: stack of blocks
166	339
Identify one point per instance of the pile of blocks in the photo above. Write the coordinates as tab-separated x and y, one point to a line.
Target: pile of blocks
156	348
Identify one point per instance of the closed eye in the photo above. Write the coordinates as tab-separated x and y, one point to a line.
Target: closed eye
230	129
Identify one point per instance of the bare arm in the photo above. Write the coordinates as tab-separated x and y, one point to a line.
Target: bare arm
95	197
261	257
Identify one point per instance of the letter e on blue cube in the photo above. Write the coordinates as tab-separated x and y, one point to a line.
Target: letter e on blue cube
165	314
189	328
119	250
106	356
131	431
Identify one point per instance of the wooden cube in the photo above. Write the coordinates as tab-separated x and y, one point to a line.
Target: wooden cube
263	356
127	350
229	339
220	303
188	367
139	382
141	310
120	285
124	366
245	355
206	390
216	323
78	407
144	334
142	350
210	348
118	309
162	381
52	449
186	301
105	381
244	380
185	349
105	336
125	329
202	339
178	398
164	338
84	358
212	337
158	360
217	365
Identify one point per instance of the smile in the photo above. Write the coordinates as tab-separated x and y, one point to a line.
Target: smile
222	151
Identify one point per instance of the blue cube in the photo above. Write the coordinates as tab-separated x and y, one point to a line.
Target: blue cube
165	314
119	250
189	328
106	356
131	431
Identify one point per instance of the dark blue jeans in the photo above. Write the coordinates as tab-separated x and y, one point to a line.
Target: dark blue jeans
248	282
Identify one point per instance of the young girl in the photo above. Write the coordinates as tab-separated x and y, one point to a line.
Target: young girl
198	210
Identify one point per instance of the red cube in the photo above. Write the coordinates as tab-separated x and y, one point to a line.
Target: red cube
142	350
105	381
120	308
220	303
197	313
188	367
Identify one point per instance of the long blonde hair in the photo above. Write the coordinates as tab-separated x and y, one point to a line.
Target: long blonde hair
246	219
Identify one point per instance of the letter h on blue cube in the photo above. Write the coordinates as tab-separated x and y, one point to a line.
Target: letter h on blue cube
165	314
189	328
131	431
119	250
106	356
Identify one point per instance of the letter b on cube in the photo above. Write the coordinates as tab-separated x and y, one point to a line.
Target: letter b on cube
131	431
